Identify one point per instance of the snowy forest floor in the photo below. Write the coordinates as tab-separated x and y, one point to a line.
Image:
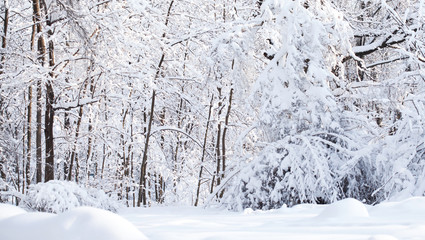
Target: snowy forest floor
346	219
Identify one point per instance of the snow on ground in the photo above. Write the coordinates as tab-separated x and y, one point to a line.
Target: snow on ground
83	223
348	219
344	220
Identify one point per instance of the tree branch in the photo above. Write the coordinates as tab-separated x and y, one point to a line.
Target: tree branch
386	62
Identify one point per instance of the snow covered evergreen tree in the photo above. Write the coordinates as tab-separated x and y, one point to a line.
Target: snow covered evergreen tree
300	124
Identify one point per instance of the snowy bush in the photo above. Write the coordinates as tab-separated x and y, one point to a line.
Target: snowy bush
401	169
60	196
297	169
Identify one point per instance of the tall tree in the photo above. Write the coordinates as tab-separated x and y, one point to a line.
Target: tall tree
49	115
41	52
3	167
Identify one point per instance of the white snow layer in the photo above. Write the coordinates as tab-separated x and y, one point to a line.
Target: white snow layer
347	219
81	223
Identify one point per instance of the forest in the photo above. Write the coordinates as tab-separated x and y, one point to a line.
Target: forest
240	103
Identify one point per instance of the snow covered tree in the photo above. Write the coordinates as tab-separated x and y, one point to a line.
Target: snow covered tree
300	124
385	83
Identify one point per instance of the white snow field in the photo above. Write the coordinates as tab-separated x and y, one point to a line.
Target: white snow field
82	223
346	219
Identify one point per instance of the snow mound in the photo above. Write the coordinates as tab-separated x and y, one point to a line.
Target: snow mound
60	196
407	209
83	223
347	208
248	211
7	211
413	204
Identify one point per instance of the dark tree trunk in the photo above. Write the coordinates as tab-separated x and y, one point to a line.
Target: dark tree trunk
223	141
74	157
49	116
48	133
38	135
204	147
217	145
4	39
142	184
3	58
41	50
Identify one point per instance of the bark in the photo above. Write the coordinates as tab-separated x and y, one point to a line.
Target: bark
27	166
203	152
38	134
90	129
129	167
104	146
3	169
4	37
142	184
67	125
41	51
217	145
74	157
89	149
49	116
29	136
223	141
3	45
48	133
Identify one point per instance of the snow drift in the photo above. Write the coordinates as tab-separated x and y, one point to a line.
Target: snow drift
81	223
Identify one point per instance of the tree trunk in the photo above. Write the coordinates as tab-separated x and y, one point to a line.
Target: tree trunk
67	126
104	145
124	172
129	167
27	165
49	116
142	184
48	134
74	157
204	147
38	134
41	51
29	136
89	150
3	39
223	141
217	145
3	58
90	140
